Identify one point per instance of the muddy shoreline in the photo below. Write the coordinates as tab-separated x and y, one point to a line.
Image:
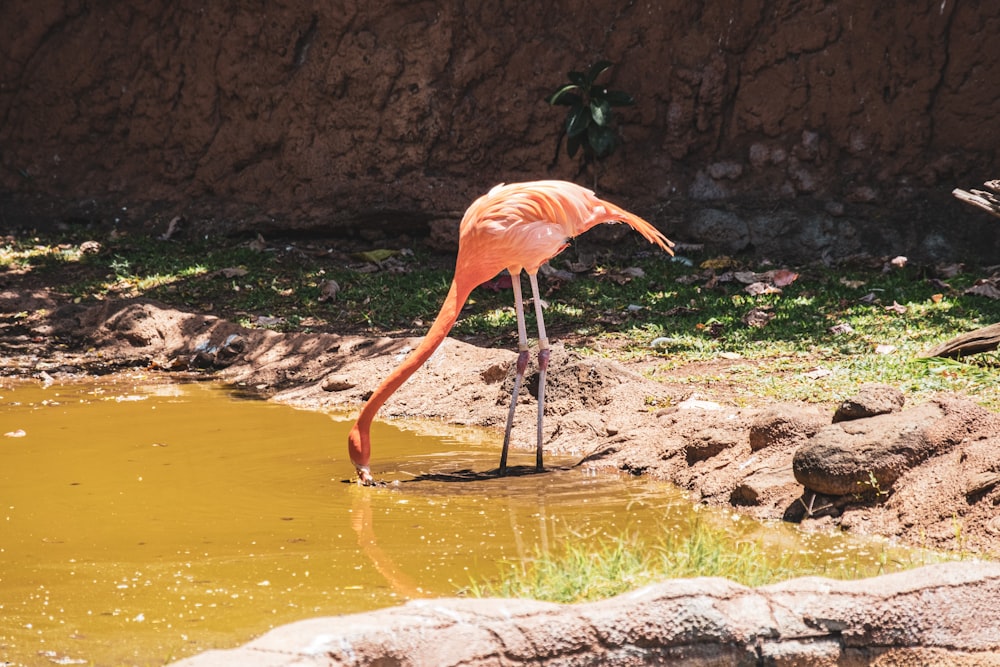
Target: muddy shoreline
707	440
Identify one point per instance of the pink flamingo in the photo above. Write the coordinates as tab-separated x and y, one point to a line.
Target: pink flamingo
518	227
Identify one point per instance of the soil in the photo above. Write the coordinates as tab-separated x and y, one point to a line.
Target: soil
719	441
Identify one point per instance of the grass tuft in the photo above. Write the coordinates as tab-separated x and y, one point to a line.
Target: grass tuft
582	571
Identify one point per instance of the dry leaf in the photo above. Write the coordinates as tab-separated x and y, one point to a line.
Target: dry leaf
376	256
842	328
623	276
898	261
230	272
853	284
783	277
950	270
940	284
758	317
896	308
680	310
885	349
723	262
549	271
987	289
756	289
936	298
171	228
258	244
503	281
746	277
817	373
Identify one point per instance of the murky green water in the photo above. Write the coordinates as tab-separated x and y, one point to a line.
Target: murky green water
143	522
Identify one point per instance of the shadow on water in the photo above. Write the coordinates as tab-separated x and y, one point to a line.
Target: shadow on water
186	517
467	475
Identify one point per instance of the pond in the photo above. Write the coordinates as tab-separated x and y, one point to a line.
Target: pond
143	522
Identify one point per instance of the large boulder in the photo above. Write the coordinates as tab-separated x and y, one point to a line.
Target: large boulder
867	456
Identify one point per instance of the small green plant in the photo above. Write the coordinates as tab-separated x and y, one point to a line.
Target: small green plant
588	120
872	487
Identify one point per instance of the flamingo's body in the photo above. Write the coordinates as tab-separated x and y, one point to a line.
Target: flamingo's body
518	227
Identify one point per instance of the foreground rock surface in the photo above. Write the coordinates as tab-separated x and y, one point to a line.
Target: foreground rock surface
941	614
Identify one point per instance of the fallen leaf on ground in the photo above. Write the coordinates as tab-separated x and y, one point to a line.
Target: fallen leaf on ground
376	256
549	272
783	277
680	310
758	317
718	263
885	349
854	284
695	403
230	272
984	288
258	244
502	282
896	308
950	270
842	328
623	276
817	373
756	289
940	284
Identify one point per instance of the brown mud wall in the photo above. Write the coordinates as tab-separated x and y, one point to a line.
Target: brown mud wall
858	117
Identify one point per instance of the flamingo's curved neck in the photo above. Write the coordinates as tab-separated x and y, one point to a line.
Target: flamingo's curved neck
445	320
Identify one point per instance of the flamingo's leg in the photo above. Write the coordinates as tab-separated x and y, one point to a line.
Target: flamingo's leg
522	365
543	364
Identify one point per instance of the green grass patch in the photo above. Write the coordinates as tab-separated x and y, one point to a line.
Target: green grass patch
828	331
582	571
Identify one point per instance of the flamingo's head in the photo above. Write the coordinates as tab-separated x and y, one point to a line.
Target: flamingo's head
359	446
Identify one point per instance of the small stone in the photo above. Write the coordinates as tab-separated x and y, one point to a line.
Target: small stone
783	427
871	400
337	383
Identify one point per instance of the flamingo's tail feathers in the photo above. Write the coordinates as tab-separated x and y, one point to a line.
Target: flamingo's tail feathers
651	233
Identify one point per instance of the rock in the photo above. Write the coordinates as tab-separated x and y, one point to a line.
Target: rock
871	400
762	484
867	456
783	427
338	383
708	443
725	231
939	614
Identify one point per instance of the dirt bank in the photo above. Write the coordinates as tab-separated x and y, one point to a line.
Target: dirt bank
945	497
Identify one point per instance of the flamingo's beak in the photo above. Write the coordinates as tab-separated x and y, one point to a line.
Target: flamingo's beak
365	476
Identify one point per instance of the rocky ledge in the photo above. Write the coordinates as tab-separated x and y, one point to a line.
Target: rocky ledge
941	614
